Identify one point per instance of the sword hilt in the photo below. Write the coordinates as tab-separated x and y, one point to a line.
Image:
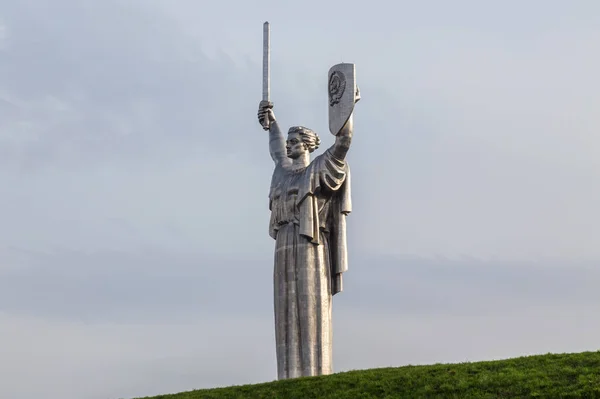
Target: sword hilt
266	106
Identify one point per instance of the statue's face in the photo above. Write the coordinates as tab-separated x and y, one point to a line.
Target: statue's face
294	146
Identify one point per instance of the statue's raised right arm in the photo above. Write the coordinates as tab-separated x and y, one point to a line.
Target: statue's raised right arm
266	118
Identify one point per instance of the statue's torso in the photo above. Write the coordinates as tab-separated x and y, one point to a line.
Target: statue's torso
289	190
284	195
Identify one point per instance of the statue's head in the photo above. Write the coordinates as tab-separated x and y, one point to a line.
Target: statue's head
300	140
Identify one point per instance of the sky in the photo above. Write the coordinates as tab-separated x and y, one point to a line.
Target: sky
135	258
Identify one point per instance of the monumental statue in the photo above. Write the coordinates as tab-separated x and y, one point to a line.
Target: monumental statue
309	202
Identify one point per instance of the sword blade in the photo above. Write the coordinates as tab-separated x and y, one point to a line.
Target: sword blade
266	87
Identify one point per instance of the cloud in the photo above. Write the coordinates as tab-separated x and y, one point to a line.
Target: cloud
128	83
151	286
134	255
98	360
170	286
156	322
448	145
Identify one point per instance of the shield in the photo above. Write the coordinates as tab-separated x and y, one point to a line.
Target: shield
343	94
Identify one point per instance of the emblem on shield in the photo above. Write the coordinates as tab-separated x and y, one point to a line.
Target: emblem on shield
337	85
343	94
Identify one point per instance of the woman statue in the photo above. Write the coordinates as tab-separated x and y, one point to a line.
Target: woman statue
309	202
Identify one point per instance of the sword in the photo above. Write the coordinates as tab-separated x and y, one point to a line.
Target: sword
266	84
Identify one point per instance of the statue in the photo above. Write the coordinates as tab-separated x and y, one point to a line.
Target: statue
309	202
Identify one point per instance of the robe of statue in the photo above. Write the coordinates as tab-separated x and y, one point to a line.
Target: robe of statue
308	211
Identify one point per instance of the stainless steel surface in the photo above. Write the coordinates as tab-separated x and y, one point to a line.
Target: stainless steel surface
343	94
266	77
309	202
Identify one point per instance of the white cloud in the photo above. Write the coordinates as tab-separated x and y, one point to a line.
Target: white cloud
75	360
134	244
89	360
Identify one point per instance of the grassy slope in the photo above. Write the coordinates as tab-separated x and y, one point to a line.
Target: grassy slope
546	376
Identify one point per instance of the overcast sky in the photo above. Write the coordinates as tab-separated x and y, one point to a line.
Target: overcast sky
134	251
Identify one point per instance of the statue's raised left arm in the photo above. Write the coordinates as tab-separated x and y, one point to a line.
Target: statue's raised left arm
340	148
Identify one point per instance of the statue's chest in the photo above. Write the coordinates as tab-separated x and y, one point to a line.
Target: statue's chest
287	187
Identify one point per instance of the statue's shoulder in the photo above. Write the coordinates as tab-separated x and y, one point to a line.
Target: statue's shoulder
321	157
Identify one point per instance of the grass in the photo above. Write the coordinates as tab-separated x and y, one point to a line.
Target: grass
544	376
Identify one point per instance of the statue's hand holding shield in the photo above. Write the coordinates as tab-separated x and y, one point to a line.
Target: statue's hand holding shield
343	94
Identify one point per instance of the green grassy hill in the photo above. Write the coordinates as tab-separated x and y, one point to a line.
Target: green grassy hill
546	376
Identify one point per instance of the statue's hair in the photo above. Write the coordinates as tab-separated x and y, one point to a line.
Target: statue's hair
308	136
